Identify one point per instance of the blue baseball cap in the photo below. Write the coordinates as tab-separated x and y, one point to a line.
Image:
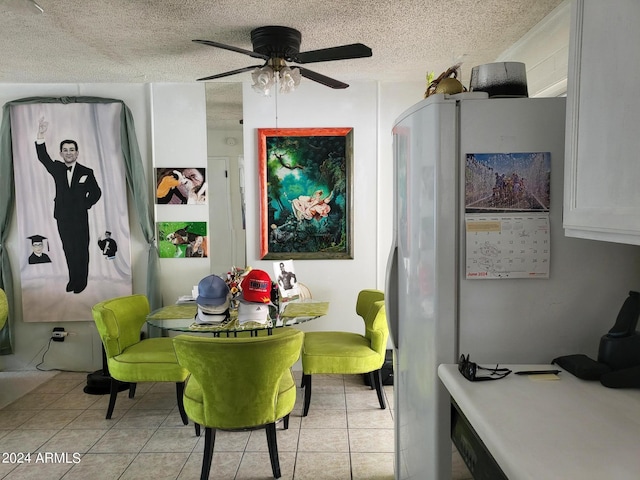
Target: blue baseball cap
212	291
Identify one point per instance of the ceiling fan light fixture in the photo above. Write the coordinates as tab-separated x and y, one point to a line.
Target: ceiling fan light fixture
289	79
264	80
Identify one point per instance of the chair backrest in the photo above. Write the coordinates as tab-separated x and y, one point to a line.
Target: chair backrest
119	321
377	329
365	300
239	377
4	308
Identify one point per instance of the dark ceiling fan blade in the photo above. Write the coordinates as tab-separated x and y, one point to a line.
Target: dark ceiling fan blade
233	49
232	72
344	52
324	80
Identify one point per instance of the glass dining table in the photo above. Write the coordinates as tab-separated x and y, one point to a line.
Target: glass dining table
181	318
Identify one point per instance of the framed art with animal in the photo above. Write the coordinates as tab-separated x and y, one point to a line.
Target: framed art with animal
183	240
305	179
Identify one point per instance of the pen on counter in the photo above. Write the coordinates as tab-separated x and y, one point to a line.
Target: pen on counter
538	372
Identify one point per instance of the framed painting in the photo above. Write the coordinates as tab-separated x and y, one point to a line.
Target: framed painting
306	200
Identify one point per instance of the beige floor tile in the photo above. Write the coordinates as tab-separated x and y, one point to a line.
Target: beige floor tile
100	466
73	401
372	466
34	401
125	440
51	419
171	440
39	471
327	401
318	418
371	440
344	437
226	441
123	402
257	466
366	399
10	419
322	466
287	440
369	418
94	419
156	466
73	441
323	440
142	419
224	466
156	401
5	468
58	385
26	440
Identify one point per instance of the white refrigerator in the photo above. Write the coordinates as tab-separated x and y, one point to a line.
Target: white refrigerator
439	304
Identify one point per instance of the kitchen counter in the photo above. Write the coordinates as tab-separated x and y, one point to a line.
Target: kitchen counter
563	428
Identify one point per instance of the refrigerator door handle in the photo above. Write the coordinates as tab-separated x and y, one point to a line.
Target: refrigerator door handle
391	295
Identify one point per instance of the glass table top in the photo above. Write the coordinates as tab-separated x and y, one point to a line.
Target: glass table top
181	318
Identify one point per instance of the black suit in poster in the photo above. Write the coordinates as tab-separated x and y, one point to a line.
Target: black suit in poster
71	205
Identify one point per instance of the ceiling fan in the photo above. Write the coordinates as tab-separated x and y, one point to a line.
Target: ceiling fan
278	45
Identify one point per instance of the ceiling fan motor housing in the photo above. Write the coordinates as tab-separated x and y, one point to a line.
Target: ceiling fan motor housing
276	42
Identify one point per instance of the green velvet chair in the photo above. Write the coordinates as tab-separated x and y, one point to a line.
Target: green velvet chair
347	352
239	384
130	359
4	308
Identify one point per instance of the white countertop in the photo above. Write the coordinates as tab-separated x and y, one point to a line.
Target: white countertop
552	429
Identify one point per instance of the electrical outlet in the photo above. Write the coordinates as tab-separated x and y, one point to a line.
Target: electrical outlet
58	334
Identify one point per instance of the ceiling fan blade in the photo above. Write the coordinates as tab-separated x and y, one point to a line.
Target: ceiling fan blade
232	48
324	80
344	52
228	74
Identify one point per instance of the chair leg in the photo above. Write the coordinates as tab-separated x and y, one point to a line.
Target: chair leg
209	440
115	388
285	422
371	380
273	449
306	382
132	390
197	427
179	395
377	377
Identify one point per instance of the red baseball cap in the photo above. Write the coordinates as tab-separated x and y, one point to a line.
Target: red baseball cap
256	287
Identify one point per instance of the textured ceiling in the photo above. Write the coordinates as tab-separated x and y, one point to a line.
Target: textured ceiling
87	41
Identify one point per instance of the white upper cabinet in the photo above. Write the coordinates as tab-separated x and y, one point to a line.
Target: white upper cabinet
602	164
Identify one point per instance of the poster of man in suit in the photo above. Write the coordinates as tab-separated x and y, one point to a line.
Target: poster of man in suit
70	186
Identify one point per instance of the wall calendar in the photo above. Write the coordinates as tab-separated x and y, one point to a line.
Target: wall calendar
507	246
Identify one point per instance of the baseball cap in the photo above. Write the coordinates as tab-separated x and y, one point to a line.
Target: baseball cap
256	287
204	318
252	312
213	292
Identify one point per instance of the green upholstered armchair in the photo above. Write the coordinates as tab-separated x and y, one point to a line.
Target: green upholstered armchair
347	352
238	384
130	359
4	308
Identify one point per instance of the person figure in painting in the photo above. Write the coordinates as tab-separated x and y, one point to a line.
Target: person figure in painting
108	245
309	207
168	187
286	280
37	246
76	192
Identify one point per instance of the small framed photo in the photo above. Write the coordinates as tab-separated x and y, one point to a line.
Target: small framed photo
285	276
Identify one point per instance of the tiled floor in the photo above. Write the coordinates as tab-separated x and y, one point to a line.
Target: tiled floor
345	436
